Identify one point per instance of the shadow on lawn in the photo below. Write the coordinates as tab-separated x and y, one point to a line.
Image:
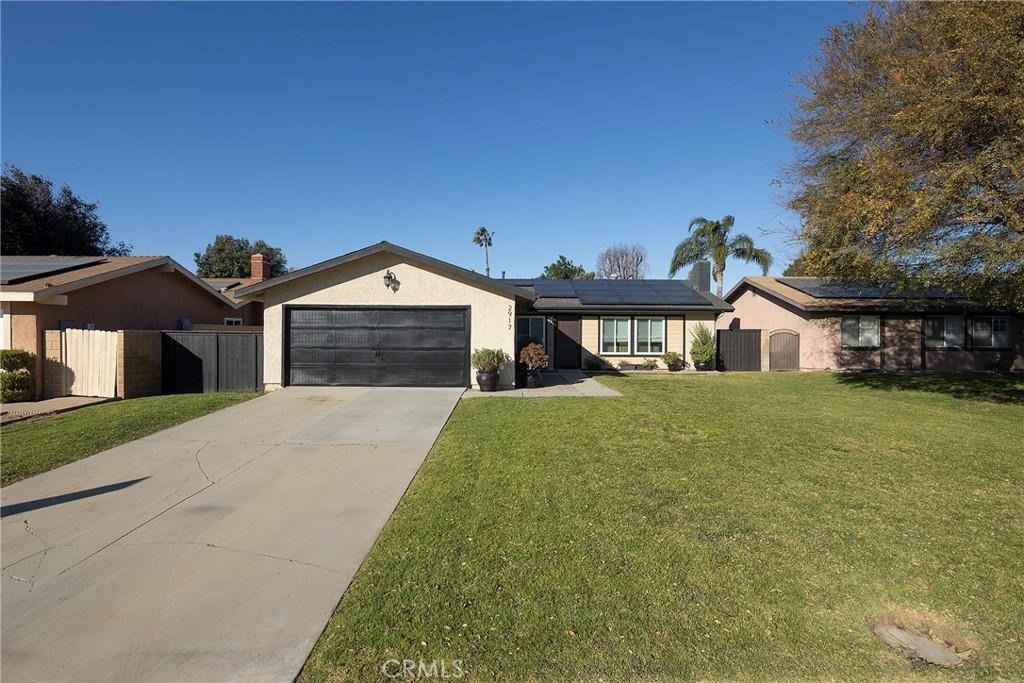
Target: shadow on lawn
995	388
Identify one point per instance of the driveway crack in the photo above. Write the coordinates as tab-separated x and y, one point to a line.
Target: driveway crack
200	464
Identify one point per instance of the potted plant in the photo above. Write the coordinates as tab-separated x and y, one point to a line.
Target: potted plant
534	358
702	351
672	360
488	364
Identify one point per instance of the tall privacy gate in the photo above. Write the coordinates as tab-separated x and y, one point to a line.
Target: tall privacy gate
88	363
198	362
784	350
739	350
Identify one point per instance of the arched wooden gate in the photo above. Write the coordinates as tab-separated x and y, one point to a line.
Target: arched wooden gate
784	350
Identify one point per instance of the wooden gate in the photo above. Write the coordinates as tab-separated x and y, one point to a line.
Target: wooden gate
739	350
784	350
89	360
200	362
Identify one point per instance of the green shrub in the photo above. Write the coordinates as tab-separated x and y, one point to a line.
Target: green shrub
650	364
17	386
672	360
489	360
624	365
13	360
703	348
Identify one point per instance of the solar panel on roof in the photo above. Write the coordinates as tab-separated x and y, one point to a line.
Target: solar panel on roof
554	288
15	269
820	289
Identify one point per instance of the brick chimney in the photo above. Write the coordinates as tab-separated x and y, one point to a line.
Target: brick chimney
257	268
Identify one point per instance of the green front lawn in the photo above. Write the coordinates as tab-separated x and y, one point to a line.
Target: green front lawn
748	526
29	448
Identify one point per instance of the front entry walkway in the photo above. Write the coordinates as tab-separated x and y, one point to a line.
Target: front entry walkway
561	383
212	551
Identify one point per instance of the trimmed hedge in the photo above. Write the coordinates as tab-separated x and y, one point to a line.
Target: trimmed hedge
17	383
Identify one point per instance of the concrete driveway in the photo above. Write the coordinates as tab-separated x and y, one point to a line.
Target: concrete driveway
212	551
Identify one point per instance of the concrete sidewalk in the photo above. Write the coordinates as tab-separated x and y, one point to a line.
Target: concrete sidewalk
23	410
562	383
212	551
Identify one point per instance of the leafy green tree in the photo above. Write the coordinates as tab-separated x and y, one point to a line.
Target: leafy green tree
229	256
484	238
36	221
798	267
912	150
713	241
564	269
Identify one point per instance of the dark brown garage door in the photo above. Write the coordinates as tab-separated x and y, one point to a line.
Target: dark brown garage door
377	346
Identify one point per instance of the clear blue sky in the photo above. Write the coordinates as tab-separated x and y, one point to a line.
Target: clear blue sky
322	128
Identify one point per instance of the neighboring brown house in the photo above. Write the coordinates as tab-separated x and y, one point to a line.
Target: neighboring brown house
39	293
852	327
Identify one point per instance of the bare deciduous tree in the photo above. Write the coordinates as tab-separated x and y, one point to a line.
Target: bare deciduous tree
622	262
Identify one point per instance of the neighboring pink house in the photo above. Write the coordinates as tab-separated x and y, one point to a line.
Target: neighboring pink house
863	328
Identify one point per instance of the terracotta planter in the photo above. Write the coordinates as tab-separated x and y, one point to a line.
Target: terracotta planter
488	381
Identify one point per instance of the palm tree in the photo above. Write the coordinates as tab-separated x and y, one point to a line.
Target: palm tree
710	241
484	238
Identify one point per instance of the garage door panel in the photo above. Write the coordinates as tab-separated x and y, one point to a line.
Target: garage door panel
435	318
336	375
321	356
388	347
334	318
410	338
413	357
334	338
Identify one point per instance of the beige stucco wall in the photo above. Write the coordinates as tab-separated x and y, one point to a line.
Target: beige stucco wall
361	283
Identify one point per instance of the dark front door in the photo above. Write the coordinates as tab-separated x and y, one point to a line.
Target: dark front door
378	346
568	352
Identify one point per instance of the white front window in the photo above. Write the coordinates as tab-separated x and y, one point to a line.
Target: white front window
232	321
650	335
861	331
615	336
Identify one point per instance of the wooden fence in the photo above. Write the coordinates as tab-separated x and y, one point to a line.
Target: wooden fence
199	362
89	360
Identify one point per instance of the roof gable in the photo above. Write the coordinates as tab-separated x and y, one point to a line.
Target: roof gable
102	269
451	270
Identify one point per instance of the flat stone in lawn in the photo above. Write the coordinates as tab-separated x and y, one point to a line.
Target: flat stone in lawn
923	648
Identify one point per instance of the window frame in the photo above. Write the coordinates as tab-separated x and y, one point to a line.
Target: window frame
629	336
859	345
543	328
233	322
943	345
991	346
636	334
